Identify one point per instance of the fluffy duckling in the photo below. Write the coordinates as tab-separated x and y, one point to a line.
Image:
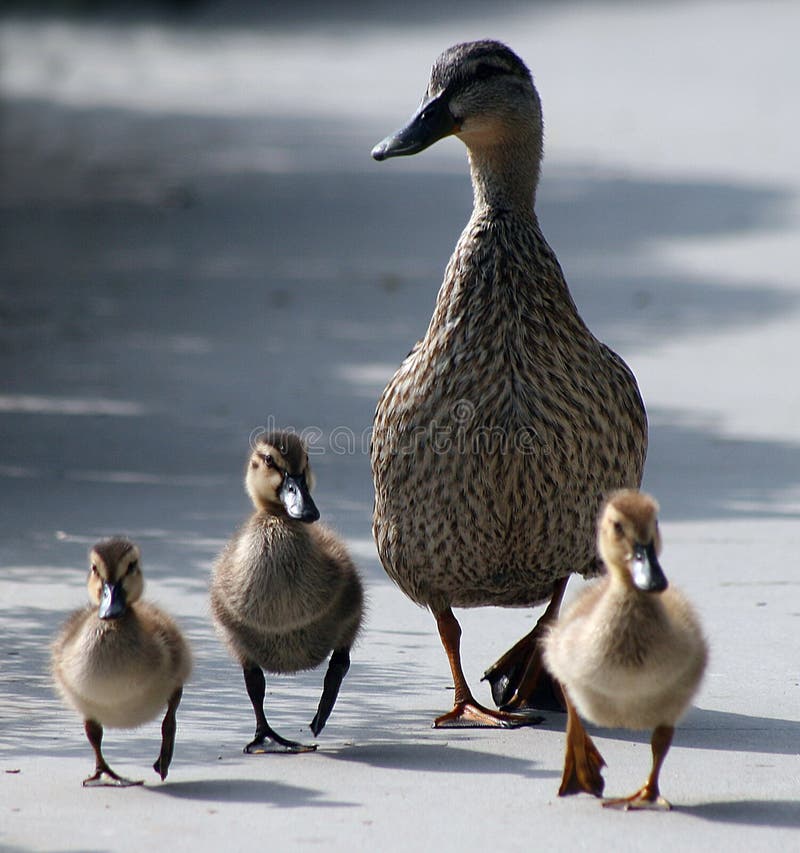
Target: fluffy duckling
120	660
498	436
284	591
629	652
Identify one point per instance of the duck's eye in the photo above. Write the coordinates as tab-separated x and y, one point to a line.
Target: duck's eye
94	569
268	460
618	529
133	567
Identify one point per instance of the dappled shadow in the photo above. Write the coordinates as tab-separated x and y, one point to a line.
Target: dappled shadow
699	473
197	284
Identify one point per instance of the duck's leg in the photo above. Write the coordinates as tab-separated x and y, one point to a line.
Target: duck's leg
467	713
168	726
337	669
266	739
648	796
519	679
582	760
94	732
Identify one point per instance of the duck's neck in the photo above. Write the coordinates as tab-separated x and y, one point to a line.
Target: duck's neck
505	175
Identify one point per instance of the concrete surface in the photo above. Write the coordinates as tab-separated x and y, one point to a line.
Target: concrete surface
194	240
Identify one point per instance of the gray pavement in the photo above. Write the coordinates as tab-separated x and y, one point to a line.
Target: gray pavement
194	240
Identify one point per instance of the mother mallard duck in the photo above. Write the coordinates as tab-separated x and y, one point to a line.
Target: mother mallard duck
497	438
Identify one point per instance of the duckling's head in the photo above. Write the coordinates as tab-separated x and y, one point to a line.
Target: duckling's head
278	477
629	540
480	91
115	576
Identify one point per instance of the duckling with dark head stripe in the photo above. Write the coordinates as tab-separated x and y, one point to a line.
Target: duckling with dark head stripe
285	593
121	660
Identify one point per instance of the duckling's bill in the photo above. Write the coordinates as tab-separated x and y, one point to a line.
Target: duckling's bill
297	500
431	122
648	575
113	602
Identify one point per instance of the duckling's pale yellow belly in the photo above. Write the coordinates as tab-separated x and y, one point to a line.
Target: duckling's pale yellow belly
115	673
284	595
628	661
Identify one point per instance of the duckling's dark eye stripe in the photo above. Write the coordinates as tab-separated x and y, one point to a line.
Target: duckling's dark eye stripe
484	70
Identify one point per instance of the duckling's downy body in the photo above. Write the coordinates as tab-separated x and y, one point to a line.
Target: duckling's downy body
629	652
120	661
500	432
285	592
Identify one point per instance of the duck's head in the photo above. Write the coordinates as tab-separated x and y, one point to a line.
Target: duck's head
115	577
482	92
629	540
278	477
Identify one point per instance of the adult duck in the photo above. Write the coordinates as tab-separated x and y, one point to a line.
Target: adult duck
497	437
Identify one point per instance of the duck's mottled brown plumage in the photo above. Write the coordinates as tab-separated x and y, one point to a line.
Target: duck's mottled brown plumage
497	437
499	434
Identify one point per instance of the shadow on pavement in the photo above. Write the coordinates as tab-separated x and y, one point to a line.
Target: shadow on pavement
777	813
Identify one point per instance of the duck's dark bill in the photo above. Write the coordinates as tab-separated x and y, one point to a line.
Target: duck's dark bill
430	123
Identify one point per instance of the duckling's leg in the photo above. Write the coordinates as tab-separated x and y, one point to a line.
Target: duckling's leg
519	679
256	688
94	731
648	796
337	669
467	713
164	759
582	760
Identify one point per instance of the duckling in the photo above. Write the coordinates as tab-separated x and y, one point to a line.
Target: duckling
497	437
629	652
120	660
285	592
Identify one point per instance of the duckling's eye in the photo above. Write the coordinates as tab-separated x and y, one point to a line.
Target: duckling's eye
618	529
268	460
94	569
133	567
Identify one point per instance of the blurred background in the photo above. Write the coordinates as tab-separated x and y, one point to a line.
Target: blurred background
195	243
195	240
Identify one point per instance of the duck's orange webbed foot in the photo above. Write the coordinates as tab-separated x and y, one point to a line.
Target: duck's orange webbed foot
519	679
471	715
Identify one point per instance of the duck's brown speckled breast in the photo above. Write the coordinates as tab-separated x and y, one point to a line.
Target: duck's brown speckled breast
498	436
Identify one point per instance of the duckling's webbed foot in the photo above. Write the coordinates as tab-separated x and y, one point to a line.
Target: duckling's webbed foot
337	669
518	679
266	739
642	799
161	765
649	796
269	740
103	775
582	760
